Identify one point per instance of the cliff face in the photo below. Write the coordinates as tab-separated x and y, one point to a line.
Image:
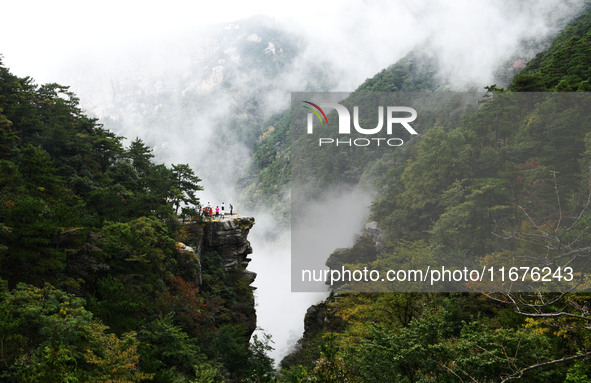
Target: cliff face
229	239
320	319
225	243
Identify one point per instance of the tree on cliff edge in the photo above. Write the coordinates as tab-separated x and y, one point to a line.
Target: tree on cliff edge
185	184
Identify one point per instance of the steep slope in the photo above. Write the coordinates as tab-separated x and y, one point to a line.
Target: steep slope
564	66
267	180
461	182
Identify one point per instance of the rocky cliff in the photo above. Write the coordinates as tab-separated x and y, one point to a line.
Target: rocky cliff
229	239
225	244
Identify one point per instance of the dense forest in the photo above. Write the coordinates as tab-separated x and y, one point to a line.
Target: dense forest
515	189
96	283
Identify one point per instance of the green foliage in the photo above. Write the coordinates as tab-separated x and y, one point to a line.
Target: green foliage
185	184
331	367
401	356
580	372
294	374
564	66
168	352
139	156
514	167
260	364
270	167
98	220
117	359
137	247
414	72
48	336
193	312
446	338
228	347
117	306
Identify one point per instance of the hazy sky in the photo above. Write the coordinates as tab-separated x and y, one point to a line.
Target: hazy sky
37	37
50	32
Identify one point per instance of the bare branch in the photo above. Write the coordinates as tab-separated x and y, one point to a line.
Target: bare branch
553	315
456	375
520	373
531	220
511	300
559	206
546	307
576	252
578	236
586	205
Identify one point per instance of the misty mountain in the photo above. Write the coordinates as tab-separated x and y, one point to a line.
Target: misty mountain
218	88
266	184
267	180
470	190
207	93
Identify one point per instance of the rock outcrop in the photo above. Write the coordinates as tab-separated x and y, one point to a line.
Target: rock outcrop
189	260
228	240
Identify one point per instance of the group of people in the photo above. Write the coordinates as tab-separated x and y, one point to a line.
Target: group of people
208	210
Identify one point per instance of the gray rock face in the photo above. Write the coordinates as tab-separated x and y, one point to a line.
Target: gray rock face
190	261
315	319
229	239
371	228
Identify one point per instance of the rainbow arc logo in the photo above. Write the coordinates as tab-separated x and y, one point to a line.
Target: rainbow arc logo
315	111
